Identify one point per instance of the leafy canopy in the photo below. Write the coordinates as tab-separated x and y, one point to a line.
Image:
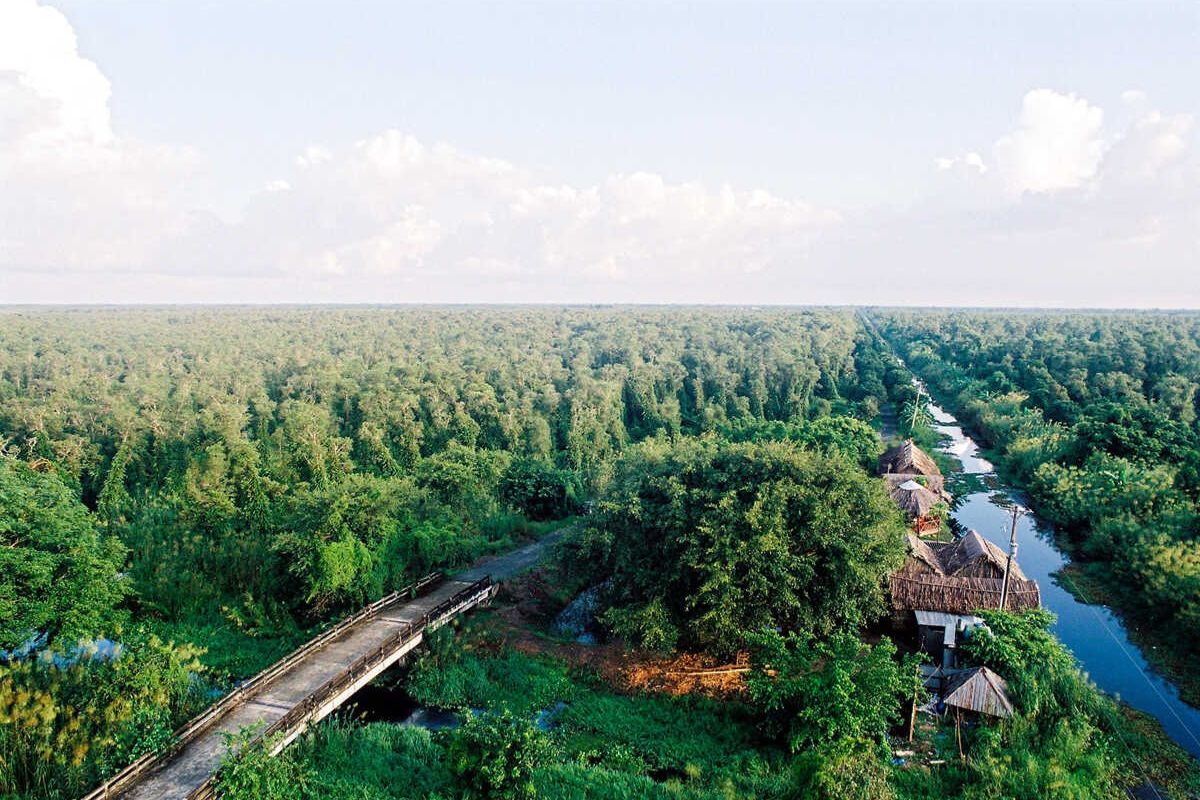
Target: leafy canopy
58	572
816	692
701	540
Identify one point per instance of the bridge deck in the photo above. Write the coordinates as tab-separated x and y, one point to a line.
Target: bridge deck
192	765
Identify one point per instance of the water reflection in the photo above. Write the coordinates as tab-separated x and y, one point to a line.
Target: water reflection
1092	632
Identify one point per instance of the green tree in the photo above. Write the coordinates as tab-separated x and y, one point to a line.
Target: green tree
538	490
820	692
66	720
716	539
493	756
59	575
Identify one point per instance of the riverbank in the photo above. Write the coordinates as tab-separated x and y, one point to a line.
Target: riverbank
1096	634
1092	582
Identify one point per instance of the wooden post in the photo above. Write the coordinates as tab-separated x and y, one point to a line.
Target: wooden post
912	721
958	731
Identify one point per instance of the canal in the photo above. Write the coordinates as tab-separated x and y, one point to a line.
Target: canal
1093	633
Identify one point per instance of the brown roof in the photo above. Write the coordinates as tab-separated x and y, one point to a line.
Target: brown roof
971	548
979	690
914	499
934	483
960	595
921	551
906	457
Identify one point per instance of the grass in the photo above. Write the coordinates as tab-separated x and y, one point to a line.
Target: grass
602	744
231	652
605	744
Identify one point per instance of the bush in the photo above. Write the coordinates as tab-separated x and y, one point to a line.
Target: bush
493	756
249	772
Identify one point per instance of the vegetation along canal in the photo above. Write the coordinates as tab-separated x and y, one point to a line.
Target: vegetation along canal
1094	633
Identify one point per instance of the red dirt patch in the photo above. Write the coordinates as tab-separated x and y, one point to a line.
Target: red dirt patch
528	603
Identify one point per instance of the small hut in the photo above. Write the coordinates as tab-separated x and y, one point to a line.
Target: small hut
908	459
960	595
915	483
941	586
978	691
973	556
918	503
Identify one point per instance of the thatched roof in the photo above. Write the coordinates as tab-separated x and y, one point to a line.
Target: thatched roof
967	552
934	483
914	499
979	690
907	459
960	595
920	550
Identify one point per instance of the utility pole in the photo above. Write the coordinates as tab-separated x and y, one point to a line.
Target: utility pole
916	410
1017	512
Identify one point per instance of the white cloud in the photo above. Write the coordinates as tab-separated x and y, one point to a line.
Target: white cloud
970	162
1074	213
1057	143
1133	97
392	206
55	97
87	214
80	199
1155	143
75	196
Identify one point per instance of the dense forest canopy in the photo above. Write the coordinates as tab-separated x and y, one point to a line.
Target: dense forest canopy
231	477
1097	416
358	445
188	493
704	541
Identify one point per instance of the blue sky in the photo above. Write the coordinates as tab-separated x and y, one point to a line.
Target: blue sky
1000	153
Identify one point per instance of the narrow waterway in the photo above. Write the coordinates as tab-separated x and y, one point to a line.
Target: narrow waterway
1093	633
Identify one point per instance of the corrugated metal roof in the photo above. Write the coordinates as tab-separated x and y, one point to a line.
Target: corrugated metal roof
979	690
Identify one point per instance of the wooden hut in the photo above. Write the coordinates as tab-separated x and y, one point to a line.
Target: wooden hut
941	586
959	578
975	557
972	556
908	459
915	483
977	691
918	503
960	595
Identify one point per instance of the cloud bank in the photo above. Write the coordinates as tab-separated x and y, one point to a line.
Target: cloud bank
1060	209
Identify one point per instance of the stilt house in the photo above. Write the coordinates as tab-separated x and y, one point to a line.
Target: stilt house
916	484
941	586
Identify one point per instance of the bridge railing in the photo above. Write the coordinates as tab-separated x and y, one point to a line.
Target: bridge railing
197	725
311	706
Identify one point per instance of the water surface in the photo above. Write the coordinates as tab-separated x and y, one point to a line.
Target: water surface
1093	633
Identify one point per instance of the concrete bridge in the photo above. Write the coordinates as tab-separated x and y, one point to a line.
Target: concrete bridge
310	683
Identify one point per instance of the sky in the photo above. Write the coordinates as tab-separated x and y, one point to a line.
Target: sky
982	154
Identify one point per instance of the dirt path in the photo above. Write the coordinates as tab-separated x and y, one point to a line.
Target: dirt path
888	425
508	565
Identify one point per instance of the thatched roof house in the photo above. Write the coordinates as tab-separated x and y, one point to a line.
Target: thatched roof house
972	556
975	556
913	479
955	595
914	499
959	578
934	483
978	690
908	459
